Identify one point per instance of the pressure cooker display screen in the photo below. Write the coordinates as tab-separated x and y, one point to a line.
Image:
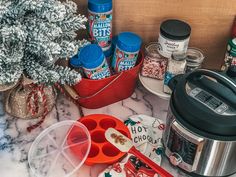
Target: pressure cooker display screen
178	144
209	100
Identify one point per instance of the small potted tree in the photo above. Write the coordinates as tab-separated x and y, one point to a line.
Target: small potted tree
34	34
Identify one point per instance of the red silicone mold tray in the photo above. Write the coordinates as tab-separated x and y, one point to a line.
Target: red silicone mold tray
101	150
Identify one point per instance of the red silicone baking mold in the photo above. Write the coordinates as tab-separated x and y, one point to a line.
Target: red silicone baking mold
101	150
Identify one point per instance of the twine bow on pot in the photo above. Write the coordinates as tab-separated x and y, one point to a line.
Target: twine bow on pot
29	100
33	103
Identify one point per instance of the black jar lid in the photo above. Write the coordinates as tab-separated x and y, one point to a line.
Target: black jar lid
175	29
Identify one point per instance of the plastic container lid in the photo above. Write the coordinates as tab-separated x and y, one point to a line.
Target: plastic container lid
90	56
129	42
175	29
51	153
100	5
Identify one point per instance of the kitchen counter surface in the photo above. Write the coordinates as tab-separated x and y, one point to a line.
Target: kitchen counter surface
15	141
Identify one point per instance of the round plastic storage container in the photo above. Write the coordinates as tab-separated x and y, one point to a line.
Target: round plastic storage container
51	154
126	51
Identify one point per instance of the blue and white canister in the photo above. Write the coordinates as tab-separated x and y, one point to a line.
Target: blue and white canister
93	61
126	51
174	37
100	22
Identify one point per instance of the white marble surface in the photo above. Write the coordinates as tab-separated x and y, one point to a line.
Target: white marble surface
15	141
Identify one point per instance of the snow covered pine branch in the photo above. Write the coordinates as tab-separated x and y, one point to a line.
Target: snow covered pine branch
33	35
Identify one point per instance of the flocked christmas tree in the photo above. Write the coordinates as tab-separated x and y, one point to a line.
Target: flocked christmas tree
33	35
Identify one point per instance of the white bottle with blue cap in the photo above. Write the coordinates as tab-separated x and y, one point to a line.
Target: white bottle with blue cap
100	22
93	62
126	51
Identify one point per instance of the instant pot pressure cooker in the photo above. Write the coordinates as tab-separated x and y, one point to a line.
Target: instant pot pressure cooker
200	135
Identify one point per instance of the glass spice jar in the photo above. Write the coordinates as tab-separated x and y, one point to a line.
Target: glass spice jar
176	65
154	65
194	59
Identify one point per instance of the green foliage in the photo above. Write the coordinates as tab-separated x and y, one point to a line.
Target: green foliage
33	35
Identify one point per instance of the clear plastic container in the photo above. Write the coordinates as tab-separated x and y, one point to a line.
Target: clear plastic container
51	154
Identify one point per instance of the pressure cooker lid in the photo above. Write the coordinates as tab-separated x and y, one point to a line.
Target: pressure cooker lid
206	100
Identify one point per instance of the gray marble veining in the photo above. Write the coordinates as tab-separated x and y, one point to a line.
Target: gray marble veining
15	141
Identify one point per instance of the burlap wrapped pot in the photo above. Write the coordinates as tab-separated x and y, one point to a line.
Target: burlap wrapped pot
28	100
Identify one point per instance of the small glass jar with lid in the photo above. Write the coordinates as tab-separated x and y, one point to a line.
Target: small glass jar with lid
194	58
154	65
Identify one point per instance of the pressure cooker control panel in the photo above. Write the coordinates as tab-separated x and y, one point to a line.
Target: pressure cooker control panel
183	147
210	101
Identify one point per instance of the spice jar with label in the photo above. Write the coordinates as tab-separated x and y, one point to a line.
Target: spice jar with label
173	37
100	22
93	61
176	65
194	59
154	65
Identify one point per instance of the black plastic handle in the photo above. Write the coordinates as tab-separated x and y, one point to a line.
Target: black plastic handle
174	81
195	75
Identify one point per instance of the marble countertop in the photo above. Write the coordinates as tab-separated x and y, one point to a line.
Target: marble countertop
15	141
